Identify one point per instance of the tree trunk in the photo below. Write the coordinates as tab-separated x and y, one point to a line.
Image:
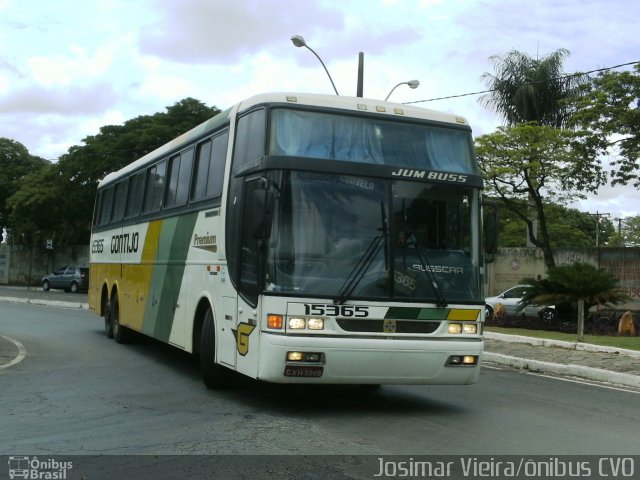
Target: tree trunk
580	320
549	261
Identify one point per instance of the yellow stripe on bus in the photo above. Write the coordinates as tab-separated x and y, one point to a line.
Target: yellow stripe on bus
460	314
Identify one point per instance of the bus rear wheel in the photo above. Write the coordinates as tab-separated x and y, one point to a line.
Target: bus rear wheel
121	334
214	376
108	321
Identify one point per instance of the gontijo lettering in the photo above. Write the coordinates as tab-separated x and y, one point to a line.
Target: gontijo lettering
125	243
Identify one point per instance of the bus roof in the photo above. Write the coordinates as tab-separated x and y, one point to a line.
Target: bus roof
338	102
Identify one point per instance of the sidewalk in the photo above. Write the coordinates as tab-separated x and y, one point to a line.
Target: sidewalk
614	366
608	365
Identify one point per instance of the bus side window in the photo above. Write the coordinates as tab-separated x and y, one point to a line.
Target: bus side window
172	181
215	176
96	209
105	206
154	187
134	198
250	139
119	201
200	171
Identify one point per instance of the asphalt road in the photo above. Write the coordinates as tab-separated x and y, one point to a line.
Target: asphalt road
78	393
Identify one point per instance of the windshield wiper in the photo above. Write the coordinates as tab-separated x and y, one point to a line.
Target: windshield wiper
365	261
428	270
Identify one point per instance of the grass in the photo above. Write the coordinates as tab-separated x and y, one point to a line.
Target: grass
630	343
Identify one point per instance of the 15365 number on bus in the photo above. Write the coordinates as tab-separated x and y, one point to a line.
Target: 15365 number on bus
336	310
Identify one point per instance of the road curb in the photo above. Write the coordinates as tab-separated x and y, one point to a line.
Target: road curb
595	374
542	342
47	303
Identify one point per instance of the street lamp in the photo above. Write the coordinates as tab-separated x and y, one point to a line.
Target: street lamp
412	83
298	41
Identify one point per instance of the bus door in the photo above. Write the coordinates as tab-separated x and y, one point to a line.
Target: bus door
227	328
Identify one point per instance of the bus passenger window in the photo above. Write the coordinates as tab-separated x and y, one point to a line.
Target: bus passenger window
216	167
186	162
155	187
134	198
120	199
105	206
199	182
174	168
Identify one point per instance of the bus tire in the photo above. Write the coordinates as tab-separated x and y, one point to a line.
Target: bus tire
214	376
108	322
121	334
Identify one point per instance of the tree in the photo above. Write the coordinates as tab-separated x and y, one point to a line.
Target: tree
609	107
579	283
628	234
530	164
15	163
535	91
525	89
568	228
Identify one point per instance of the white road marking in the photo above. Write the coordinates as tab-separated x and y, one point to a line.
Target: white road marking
564	379
22	353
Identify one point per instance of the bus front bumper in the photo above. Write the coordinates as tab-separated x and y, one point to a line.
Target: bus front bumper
352	360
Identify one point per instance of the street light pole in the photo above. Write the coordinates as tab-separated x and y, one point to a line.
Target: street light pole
298	41
412	83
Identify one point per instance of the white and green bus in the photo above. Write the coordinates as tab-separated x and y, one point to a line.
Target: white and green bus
298	238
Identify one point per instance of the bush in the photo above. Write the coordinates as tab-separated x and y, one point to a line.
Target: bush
601	322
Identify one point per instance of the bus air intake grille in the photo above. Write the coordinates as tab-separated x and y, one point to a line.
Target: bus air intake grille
383	326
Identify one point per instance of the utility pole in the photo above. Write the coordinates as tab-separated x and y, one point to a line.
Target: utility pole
598	215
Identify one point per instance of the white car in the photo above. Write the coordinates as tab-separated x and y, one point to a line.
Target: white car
510	300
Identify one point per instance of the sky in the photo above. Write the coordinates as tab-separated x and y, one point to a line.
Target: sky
69	67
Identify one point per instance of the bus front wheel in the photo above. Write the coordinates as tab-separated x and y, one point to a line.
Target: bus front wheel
213	375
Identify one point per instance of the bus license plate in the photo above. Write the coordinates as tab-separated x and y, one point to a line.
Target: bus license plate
302	371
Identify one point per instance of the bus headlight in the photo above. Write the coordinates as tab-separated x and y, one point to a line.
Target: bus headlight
470	328
455	328
315	323
296	323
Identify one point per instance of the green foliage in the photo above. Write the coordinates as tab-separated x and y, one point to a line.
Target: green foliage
528	166
535	158
15	163
579	283
609	108
571	283
568	228
526	89
58	202
628	233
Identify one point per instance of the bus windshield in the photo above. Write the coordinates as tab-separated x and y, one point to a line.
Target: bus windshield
324	224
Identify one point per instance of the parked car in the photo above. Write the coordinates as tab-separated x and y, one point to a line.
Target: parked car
70	278
510	299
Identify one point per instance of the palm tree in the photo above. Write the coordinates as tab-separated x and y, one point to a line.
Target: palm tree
576	283
525	89
532	90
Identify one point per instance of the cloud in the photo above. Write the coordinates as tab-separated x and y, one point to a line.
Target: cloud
74	100
203	31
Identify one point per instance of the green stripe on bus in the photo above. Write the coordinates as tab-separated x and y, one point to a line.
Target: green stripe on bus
412	313
167	275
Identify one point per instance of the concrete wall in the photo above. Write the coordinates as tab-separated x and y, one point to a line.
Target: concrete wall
511	265
22	265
